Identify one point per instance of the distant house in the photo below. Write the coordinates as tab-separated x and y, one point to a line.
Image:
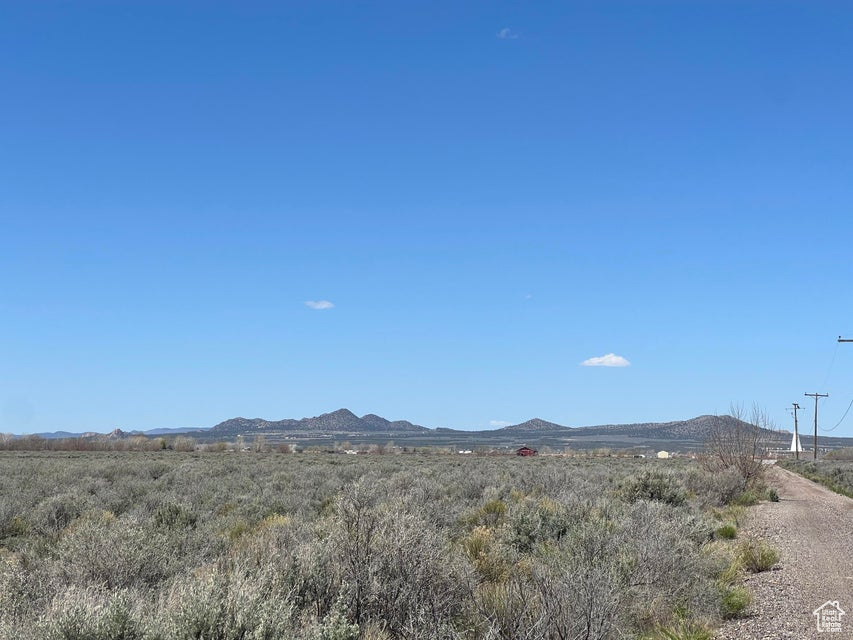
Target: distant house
663	455
525	451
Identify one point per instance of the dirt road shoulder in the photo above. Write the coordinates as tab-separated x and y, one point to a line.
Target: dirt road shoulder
812	528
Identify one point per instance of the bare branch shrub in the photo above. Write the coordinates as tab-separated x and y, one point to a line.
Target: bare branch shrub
395	568
509	610
738	441
582	584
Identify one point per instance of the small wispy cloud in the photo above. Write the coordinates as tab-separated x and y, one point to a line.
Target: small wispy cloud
499	423
320	305
507	34
608	360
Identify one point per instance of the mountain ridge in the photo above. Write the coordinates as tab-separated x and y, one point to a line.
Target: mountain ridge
344	423
339	421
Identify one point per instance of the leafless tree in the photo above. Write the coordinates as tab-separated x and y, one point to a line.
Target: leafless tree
738	441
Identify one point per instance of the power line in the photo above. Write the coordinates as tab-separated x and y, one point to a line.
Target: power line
842	417
840	340
832	361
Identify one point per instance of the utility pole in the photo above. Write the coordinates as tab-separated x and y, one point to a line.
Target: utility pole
816	396
796	434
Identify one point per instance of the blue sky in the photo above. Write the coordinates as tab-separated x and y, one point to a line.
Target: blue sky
488	193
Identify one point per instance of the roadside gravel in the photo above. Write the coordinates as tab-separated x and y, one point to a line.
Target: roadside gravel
812	528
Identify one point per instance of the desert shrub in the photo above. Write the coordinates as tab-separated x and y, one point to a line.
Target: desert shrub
91	614
102	550
489	558
394	567
666	568
535	521
732	513
23	593
354	530
757	555
219	546
771	494
174	516
508	610
681	630
734	602
717	488
654	484
491	514
727	531
335	626
746	499
15	527
731	572
423	584
55	513
227	603
582	582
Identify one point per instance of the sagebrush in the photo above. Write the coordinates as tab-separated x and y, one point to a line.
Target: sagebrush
251	546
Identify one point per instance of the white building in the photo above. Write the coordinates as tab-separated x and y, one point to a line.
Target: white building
796	445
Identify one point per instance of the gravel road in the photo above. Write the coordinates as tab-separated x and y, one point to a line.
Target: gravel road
812	528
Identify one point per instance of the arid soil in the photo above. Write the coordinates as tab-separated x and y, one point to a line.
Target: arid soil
812	528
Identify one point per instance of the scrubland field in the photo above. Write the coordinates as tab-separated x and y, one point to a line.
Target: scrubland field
835	474
244	546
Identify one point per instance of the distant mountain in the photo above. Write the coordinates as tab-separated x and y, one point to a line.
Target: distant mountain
682	433
536	424
54	434
381	424
162	431
343	424
342	421
166	431
693	429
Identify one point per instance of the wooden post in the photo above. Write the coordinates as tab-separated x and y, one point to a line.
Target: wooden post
816	396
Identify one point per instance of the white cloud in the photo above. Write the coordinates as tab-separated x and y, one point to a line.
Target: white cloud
609	360
507	34
499	423
318	304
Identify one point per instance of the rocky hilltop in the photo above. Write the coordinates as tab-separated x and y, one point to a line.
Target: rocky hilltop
536	424
342	421
695	428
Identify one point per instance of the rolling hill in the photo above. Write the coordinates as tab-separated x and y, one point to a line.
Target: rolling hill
344	425
340	422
